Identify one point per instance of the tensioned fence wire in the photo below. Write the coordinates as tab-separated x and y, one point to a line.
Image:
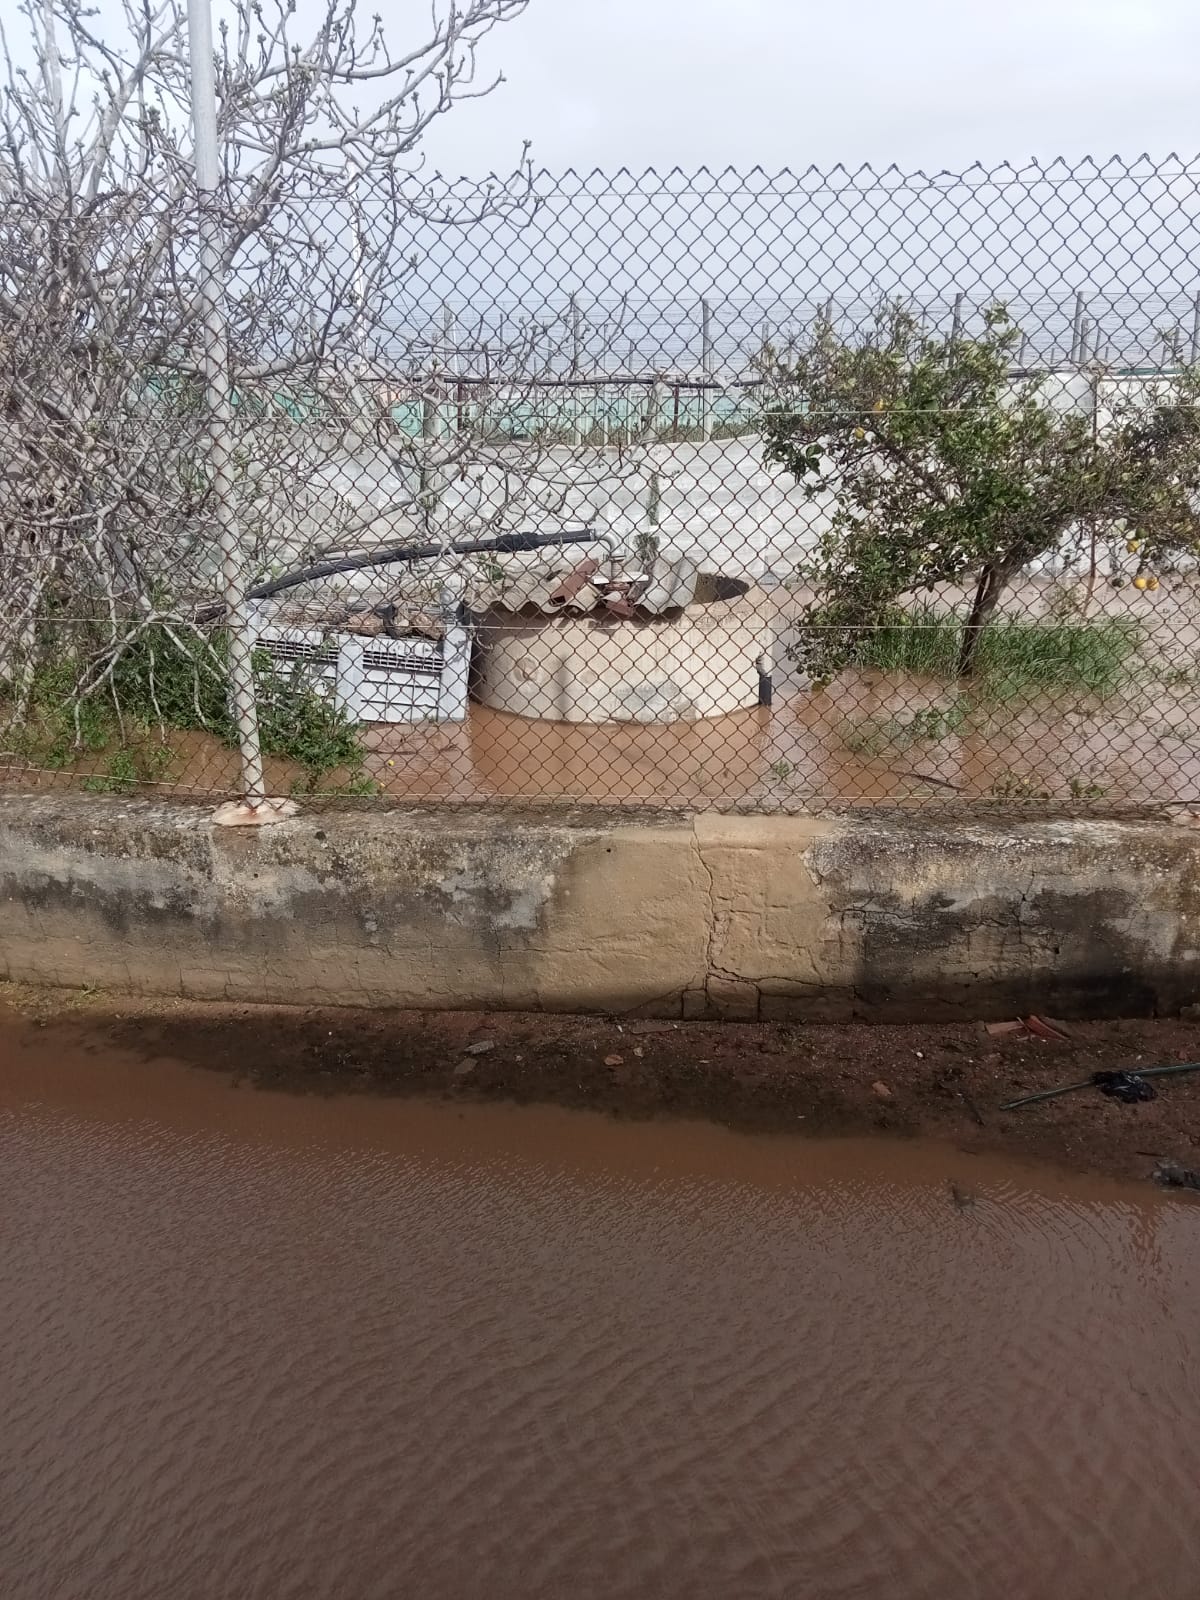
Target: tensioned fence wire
526	513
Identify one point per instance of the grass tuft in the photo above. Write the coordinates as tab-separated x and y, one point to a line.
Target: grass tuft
175	680
1014	658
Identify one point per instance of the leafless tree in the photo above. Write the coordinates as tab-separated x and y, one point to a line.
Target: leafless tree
105	507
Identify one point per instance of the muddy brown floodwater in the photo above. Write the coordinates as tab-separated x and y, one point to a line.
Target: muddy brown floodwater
871	736
261	1345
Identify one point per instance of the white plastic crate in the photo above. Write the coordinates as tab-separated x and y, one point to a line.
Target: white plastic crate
377	679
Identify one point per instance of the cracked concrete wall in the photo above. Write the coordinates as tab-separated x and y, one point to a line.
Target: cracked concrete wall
705	916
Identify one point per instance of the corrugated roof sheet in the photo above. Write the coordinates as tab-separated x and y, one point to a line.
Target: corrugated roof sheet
538	582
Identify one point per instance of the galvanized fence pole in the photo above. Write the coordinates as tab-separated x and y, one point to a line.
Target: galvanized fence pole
219	399
1077	329
453	368
706	425
576	358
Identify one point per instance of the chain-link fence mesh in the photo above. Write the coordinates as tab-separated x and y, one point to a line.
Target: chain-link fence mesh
740	490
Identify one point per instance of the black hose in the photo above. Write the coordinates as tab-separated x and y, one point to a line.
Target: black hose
1090	1083
500	544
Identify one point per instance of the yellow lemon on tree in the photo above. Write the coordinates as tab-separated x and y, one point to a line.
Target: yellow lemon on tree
1141	581
1133	546
860	433
1152	582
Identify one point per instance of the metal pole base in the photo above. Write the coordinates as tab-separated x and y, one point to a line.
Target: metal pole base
244	814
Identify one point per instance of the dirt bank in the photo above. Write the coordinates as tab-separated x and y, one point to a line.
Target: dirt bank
945	1081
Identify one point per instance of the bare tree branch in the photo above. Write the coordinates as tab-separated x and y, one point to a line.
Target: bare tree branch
105	510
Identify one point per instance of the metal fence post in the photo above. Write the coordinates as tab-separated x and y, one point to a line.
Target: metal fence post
1085	334
219	397
576	357
706	429
453	366
1077	328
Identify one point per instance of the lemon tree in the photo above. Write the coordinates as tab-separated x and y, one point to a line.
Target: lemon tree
943	466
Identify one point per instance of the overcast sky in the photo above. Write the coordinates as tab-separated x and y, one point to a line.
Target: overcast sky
929	83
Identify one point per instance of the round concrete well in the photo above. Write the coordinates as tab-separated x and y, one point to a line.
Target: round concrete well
703	660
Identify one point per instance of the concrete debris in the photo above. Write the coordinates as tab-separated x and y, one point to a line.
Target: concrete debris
1033	1026
1051	1032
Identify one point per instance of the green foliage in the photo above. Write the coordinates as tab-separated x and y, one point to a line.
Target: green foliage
59	725
924	641
1083	787
942	468
358	786
180	679
175	679
1018	786
132	765
296	722
1014	657
876	736
1029	788
1092	658
936	722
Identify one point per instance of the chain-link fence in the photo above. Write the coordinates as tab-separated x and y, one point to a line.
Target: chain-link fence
743	490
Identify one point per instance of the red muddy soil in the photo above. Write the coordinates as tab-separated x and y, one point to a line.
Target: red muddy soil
941	1080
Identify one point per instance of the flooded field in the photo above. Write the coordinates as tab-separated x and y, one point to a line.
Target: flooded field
259	1345
871	734
808	749
1120	728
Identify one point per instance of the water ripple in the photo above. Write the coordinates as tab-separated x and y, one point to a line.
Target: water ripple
318	1366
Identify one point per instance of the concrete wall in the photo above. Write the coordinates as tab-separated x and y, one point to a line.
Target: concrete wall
708	915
